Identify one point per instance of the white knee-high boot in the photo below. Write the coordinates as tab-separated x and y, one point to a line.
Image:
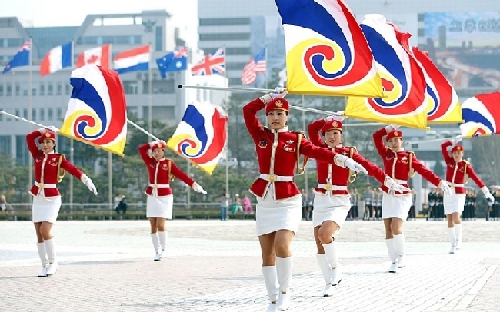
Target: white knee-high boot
42	253
391	250
326	271
453	239
458	233
333	259
271	281
155	241
50	247
284	268
163	236
399	243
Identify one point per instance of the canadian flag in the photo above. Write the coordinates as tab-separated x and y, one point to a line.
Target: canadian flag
97	56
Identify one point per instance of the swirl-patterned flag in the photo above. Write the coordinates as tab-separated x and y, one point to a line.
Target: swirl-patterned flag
326	52
481	115
402	79
97	113
442	99
200	136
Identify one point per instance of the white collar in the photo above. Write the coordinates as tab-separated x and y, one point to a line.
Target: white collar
284	129
160	159
402	149
51	152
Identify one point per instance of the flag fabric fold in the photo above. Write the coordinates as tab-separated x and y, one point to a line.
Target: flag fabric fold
403	82
481	115
326	52
97	112
200	136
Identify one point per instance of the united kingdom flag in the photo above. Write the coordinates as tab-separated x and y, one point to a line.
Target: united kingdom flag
212	64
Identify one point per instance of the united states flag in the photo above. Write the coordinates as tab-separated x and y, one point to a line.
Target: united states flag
212	64
254	66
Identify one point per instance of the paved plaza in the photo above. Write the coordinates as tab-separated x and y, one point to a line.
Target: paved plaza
215	266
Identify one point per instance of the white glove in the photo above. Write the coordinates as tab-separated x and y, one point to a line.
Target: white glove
390	128
391	184
278	92
456	140
354	166
198	188
42	130
445	187
53	128
487	193
156	142
88	182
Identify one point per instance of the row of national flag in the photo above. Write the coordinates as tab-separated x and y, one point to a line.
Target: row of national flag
136	59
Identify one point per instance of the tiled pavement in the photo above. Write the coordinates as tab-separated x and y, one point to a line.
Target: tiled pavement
215	266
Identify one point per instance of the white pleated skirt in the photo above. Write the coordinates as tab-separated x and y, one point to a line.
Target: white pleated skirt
159	207
330	208
396	206
45	209
272	216
453	203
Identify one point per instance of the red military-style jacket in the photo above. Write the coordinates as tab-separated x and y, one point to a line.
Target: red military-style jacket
47	167
398	164
331	175
159	173
457	172
277	154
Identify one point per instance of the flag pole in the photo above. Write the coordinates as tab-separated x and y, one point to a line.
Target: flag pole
30	110
71	146
110	161
266	77
227	123
150	93
306	183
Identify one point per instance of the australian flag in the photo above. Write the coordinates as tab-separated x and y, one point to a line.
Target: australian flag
173	61
22	58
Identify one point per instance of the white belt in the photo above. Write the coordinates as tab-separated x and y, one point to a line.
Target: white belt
330	187
45	186
275	178
159	185
401	181
454	184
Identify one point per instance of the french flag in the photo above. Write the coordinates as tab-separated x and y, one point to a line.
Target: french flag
136	59
56	59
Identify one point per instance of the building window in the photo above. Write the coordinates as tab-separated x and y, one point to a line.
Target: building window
50	88
421	32
17	112
25	88
236	65
237	51
33	90
135	40
133	111
9	89
1	89
224	21
158	38
6	144
1	115
42	114
67	89
122	39
33	114
234	81
130	87
421	17
59	88
25	113
59	114
108	39
21	150
91	40
225	36
17	87
50	114
42	88
14	42
170	86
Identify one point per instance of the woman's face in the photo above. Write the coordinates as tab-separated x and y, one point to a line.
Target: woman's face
457	155
158	153
333	137
395	144
47	145
277	119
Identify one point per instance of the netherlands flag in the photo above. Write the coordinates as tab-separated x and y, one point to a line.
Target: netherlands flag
136	59
57	59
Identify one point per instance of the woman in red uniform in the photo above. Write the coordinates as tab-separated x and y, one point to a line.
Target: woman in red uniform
332	200
49	170
399	165
457	170
159	203
279	201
